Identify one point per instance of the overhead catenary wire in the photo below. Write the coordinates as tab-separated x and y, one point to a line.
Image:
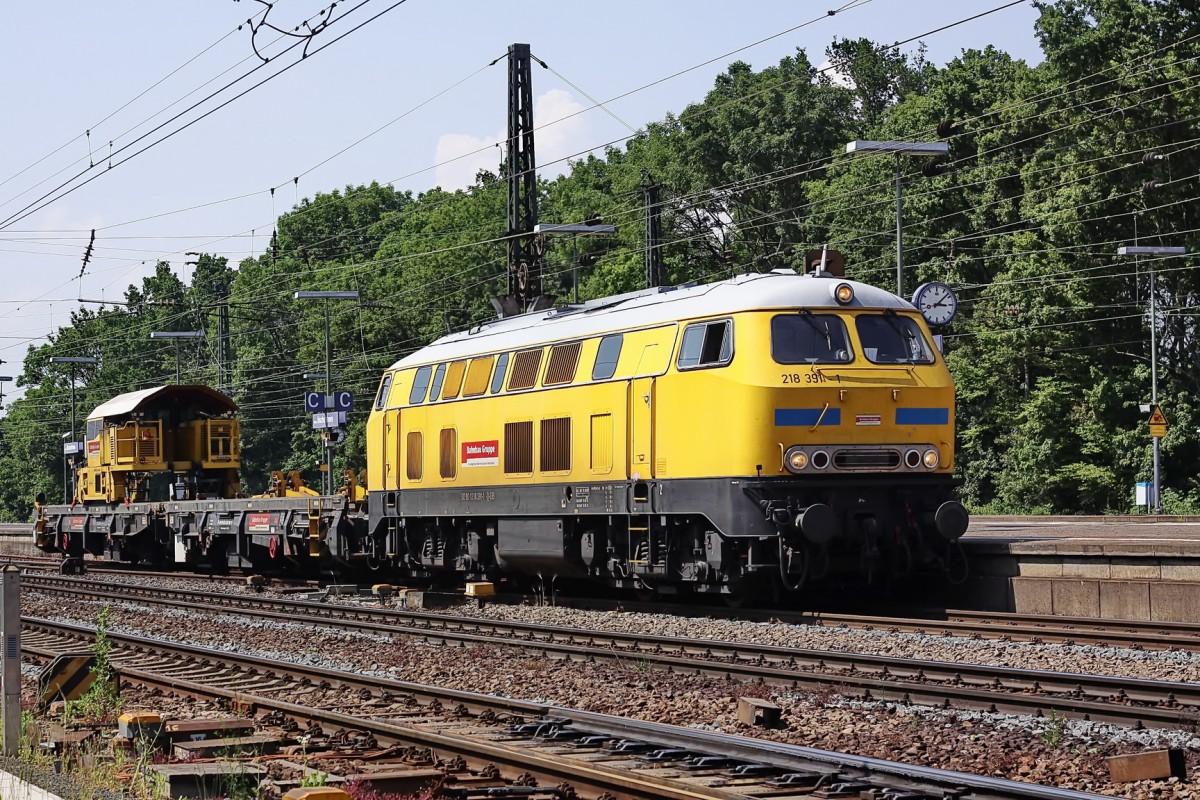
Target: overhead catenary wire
71	185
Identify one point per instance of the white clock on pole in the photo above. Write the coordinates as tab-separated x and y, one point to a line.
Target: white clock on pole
937	302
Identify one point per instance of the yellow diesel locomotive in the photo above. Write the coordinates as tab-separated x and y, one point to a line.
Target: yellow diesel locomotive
711	437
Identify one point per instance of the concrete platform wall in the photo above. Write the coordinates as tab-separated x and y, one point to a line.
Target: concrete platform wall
1141	581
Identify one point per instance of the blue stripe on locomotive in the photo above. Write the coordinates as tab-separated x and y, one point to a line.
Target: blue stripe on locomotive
922	416
786	417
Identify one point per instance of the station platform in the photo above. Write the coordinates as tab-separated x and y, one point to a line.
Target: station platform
1136	567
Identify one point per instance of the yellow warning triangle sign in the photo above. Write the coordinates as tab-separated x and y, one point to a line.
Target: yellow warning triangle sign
1156	416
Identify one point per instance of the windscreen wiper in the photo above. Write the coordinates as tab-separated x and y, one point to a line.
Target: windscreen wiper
893	319
806	314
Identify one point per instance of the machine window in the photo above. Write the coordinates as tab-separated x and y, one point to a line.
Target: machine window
420	386
602	444
808	338
564	358
525	369
892	339
381	395
606	357
477	376
448	447
413	456
439	377
498	377
556	445
94	426
706	344
454	379
518	448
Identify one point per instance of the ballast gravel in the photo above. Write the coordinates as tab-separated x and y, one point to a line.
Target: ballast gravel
1055	752
1167	665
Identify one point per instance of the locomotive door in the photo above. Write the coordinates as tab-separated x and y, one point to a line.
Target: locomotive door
392	444
641	428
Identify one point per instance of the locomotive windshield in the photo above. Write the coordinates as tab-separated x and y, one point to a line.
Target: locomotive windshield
808	338
892	339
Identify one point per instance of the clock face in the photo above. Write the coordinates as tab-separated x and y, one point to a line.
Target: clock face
936	302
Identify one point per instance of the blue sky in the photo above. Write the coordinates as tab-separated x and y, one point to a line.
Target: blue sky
123	67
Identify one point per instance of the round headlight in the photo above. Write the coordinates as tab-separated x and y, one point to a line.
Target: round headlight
820	459
797	460
931	458
844	293
912	459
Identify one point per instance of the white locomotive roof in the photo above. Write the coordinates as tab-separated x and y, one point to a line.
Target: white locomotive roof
648	307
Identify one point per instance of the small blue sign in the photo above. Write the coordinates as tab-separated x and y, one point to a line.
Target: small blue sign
314	402
343	401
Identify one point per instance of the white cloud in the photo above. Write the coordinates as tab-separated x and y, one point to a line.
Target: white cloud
566	133
461	155
836	77
457	159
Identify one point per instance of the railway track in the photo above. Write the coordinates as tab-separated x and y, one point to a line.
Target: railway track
1127	701
476	737
996	625
1000	625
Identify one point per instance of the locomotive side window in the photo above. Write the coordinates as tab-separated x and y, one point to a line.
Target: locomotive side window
449	453
454	379
564	358
439	376
892	339
381	395
808	338
706	344
518	448
501	368
525	369
606	357
94	426
413	456
420	386
477	376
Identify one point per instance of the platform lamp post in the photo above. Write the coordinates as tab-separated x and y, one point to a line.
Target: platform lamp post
3	380
325	297
1156	252
898	149
177	336
575	231
72	447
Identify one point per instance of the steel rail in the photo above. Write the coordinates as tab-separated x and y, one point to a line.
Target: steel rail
1128	701
133	652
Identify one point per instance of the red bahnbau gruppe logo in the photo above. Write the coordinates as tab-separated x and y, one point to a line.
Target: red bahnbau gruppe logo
481	454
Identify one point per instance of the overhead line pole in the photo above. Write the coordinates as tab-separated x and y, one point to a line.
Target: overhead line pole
524	256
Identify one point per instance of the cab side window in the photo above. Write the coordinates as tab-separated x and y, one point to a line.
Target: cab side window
706	344
384	386
420	386
606	357
498	376
439	375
